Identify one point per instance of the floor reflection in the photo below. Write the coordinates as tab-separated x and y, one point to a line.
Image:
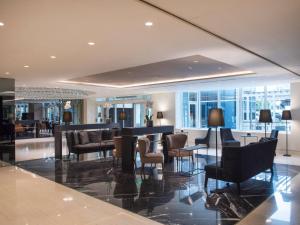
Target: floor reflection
164	196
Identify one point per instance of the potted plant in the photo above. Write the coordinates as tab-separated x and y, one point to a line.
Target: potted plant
149	121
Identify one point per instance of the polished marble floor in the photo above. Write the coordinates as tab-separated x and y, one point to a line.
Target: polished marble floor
164	196
168	197
28	199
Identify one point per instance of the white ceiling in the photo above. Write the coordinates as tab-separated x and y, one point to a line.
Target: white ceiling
36	29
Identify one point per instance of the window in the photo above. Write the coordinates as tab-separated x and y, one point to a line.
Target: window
189	108
228	104
241	106
208	100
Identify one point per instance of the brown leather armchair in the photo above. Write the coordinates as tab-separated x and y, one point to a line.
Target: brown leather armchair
117	151
176	142
146	155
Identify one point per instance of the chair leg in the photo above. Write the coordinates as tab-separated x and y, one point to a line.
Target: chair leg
238	188
143	166
78	157
193	158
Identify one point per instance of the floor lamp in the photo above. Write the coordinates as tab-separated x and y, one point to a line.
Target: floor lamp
122	117
265	117
286	115
216	119
160	116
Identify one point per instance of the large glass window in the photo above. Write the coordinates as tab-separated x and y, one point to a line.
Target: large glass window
241	106
228	104
208	100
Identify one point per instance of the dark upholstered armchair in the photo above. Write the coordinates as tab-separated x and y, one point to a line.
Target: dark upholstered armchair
204	140
274	134
228	139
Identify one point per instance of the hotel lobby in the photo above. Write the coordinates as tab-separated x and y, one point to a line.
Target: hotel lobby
149	112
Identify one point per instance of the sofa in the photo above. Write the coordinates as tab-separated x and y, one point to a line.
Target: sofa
80	142
238	164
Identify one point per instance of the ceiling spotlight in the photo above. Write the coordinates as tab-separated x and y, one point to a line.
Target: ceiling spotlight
26	66
148	24
91	43
195	61
1	24
53	57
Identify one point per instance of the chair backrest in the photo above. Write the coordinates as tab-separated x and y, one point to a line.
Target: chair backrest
144	146
274	134
118	146
176	141
226	134
208	134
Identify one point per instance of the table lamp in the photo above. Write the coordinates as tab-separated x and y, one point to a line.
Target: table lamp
67	117
160	116
286	115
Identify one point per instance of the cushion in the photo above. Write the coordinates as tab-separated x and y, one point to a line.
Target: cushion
76	138
107	135
83	137
88	147
94	136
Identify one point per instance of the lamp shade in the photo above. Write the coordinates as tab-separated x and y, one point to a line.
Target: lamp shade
160	115
265	116
122	115
215	117
67	117
286	115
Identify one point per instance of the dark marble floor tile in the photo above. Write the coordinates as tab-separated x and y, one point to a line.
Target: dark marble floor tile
165	196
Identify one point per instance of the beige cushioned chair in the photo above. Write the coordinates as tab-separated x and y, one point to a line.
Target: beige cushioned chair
146	155
117	152
176	142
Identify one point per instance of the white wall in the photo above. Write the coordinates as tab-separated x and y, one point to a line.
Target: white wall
89	111
294	137
164	102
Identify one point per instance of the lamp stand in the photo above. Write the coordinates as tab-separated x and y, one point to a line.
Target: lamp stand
216	158
286	141
265	130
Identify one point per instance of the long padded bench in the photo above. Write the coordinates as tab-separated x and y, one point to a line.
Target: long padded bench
80	142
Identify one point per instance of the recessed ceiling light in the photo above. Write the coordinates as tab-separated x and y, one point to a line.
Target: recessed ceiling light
1	24
195	61
26	66
7	73
91	43
148	24
53	57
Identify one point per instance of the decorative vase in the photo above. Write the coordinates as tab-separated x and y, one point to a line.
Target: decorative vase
149	123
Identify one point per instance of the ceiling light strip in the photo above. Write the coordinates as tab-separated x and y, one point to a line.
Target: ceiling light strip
202	77
217	36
